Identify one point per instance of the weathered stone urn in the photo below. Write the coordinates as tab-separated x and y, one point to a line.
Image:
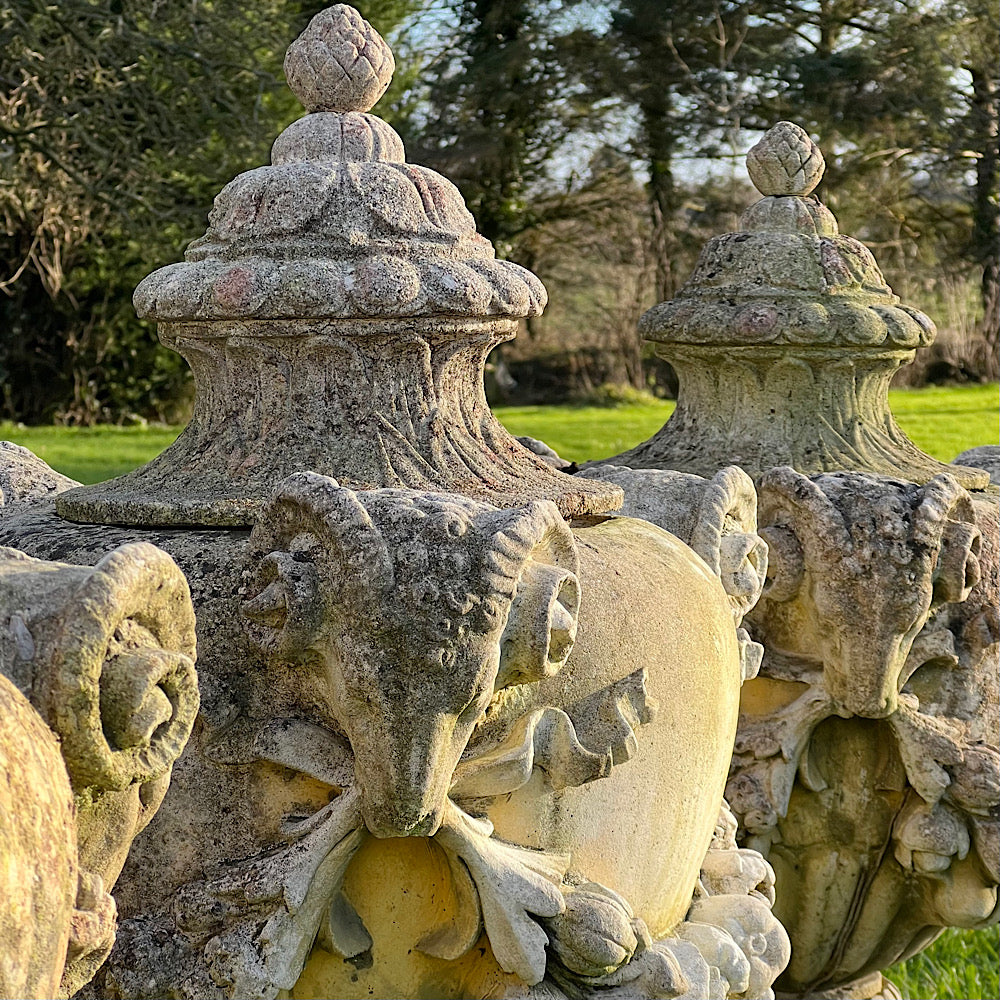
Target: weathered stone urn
98	695
463	731
866	766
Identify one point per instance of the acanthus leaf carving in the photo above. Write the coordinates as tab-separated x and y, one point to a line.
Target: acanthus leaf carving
456	937
544	739
258	920
515	885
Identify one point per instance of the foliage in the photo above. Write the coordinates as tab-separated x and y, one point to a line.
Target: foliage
679	66
960	965
502	96
597	143
121	119
905	99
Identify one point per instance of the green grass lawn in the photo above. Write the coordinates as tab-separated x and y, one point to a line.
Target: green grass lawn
942	421
960	965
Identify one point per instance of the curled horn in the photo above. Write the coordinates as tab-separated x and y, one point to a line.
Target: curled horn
944	521
792	510
315	538
533	558
725	536
537	531
785	493
729	495
125	718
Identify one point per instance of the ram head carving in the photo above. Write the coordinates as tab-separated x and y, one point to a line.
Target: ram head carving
857	563
415	609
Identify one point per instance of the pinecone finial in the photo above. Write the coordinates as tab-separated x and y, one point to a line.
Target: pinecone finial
339	63
785	162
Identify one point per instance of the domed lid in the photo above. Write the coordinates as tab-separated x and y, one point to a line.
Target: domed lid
337	316
339	225
785	338
788	276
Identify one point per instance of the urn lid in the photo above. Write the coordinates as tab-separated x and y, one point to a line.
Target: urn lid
788	276
785	339
339	225
337	316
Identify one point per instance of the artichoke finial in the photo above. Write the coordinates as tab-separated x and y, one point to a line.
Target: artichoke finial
339	63
786	162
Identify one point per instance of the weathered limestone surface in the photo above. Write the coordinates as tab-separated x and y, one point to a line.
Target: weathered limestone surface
784	339
98	697
717	518
25	478
868	709
985	457
454	741
866	766
337	316
38	869
277	733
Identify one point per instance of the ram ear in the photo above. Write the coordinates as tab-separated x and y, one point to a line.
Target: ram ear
534	555
728	506
813	530
795	515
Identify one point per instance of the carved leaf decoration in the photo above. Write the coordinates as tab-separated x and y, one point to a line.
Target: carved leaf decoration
262	915
343	933
797	723
545	739
309	748
514	883
810	775
986	839
927	745
607	721
456	937
777	746
287	938
932	645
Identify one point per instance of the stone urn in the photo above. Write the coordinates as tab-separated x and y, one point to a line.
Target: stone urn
98	695
866	765
464	732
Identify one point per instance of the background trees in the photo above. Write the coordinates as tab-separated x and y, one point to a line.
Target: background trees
119	121
598	143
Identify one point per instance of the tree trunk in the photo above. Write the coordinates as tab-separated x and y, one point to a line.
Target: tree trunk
986	210
661	144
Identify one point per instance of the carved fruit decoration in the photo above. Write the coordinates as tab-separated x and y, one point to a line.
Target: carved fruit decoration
339	63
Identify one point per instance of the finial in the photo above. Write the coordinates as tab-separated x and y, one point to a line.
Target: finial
339	63
355	286
785	162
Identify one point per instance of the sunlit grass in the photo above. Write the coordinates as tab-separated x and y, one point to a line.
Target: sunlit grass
92	454
960	965
942	421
